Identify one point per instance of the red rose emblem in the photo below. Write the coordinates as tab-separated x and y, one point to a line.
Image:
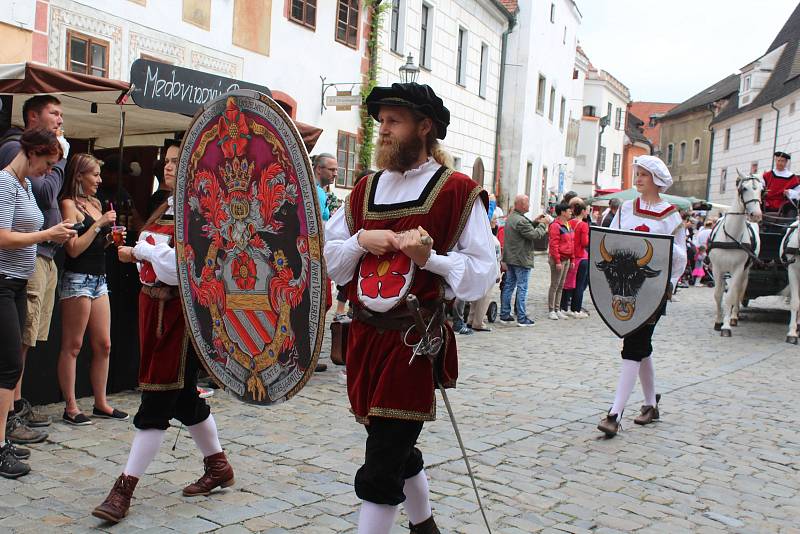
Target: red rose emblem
233	131
642	228
384	275
243	270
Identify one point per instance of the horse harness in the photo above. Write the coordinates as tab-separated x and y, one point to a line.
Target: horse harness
735	244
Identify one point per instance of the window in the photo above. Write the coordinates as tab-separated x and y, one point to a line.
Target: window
304	12
616	161
346	154
791	108
723	179
574	74
757	136
564	38
610	109
695	150
618	119
551	112
87	55
347	23
589	111
396	29
727	142
484	70
670	153
682	153
461	58
561	113
456	163
540	95
601	159
747	81
552	12
425	37
528	178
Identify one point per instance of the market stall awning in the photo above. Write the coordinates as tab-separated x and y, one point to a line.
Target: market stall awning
629	194
91	110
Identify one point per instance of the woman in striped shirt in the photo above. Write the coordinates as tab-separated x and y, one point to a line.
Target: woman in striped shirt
20	223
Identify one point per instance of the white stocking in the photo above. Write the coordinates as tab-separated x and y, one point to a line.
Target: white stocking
627	379
143	449
417	504
376	518
205	436
647	376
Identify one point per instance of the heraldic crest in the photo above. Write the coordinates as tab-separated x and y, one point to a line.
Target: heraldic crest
249	247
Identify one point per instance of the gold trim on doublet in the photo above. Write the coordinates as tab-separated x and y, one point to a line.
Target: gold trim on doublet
422	209
181	373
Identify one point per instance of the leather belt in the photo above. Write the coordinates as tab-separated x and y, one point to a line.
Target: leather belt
399	319
160	292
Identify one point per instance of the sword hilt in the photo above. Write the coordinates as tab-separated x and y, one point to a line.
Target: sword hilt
413	306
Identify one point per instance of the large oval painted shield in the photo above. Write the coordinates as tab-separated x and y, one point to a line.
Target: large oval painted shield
629	274
249	239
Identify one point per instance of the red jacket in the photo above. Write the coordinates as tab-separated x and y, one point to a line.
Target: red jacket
561	241
581	239
774	198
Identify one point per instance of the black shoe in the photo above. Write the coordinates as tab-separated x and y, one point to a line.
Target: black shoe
76	420
10	466
20	453
321	367
115	414
508	319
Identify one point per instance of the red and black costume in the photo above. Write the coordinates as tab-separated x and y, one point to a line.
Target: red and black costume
776	183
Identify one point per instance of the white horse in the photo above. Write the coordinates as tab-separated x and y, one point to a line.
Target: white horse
733	243
790	253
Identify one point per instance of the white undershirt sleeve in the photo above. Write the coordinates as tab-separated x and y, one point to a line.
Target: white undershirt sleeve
162	257
342	251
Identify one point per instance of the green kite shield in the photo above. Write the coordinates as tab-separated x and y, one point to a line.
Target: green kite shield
249	242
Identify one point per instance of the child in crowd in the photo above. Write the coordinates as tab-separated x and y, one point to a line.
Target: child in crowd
699	270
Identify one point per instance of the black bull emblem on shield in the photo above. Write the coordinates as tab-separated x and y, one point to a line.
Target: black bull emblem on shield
625	273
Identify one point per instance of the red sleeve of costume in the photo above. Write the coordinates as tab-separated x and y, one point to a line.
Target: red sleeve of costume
555	235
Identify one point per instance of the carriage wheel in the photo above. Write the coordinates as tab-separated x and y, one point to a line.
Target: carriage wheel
491	312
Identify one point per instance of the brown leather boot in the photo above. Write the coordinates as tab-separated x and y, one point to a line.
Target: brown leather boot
116	505
609	425
218	473
649	414
426	527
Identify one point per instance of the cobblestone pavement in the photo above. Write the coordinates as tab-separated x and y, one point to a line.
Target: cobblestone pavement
724	458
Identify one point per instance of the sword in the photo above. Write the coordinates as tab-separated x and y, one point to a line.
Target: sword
413	306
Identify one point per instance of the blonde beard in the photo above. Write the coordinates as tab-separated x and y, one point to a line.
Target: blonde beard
398	155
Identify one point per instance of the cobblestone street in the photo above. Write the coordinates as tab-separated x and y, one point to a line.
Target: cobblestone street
724	457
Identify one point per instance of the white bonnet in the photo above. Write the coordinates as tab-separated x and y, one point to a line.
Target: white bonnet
652	164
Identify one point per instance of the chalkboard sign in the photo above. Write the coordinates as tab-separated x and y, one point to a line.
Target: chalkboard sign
178	90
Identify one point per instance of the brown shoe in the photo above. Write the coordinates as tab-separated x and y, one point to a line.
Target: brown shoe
426	527
649	414
116	505
609	425
219	473
19	433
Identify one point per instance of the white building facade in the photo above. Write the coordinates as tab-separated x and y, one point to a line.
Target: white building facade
457	45
539	101
598	162
282	44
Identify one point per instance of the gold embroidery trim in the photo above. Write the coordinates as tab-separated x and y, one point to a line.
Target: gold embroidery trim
404	212
181	373
348	215
653	217
395	413
465	213
248	302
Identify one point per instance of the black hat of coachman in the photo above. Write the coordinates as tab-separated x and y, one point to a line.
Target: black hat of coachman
780	154
411	95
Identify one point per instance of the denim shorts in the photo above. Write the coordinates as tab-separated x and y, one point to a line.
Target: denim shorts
83	285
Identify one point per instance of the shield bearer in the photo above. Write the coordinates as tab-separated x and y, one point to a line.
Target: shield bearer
415	227
646	213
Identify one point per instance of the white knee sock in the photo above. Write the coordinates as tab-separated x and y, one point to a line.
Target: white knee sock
627	379
376	518
143	449
417	503
205	436
647	376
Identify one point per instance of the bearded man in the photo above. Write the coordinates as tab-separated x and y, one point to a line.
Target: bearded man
375	243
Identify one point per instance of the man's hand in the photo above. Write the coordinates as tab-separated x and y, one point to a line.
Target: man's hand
413	245
125	255
379	242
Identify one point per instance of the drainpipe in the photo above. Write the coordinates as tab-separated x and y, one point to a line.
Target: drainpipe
710	158
775	140
499	122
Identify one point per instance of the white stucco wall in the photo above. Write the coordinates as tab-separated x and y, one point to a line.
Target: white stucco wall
538	47
471	133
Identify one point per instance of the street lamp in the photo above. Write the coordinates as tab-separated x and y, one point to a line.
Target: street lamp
604	121
409	71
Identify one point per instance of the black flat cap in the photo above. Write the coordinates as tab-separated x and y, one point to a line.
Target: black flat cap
780	154
411	95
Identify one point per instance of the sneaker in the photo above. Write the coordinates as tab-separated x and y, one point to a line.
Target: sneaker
20	453
508	319
580	315
31	419
561	314
552	315
526	322
465	331
205	392
609	425
119	415
79	419
10	466
18	432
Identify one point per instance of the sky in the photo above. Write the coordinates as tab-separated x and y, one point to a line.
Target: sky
669	50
